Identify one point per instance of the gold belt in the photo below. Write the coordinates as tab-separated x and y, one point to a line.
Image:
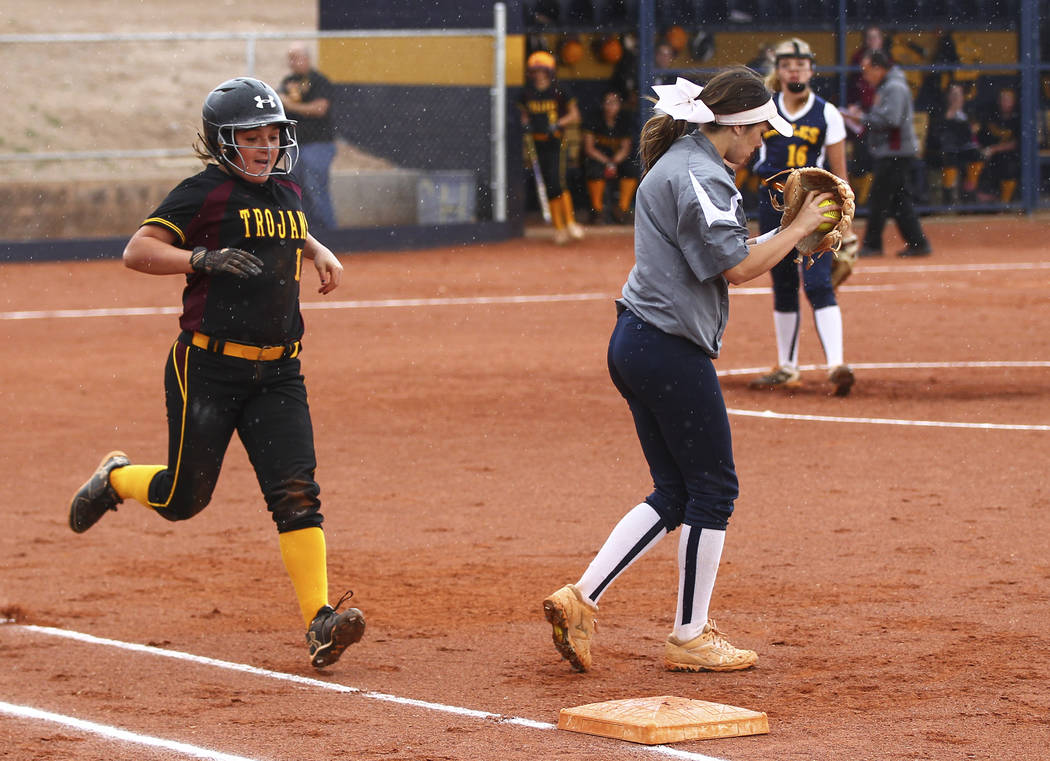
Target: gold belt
245	351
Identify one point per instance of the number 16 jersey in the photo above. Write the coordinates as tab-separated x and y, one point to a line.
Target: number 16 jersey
816	125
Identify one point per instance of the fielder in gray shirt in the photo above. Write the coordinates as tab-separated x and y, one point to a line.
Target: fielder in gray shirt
690	242
692	231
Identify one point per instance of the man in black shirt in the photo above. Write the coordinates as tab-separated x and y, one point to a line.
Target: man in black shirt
307	97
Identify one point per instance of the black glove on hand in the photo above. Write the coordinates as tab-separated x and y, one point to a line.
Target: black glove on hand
231	260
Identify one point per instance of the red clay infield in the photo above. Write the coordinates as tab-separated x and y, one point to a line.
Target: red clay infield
473	456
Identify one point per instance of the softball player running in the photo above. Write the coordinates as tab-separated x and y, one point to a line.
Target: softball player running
690	242
818	137
238	233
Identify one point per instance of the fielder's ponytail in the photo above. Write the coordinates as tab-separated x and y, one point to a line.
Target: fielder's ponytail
657	135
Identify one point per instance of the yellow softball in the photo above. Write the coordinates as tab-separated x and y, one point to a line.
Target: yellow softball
832	214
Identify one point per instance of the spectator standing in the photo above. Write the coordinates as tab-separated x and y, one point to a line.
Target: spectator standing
307	96
607	140
862	94
860	91
889	131
1000	148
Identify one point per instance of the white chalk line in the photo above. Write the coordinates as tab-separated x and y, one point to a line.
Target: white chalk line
47	314
115	733
901	366
771	415
335	687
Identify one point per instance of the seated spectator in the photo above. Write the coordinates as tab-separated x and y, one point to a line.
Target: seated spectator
951	146
999	138
607	138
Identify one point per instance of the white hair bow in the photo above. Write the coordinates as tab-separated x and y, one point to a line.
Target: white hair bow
679	101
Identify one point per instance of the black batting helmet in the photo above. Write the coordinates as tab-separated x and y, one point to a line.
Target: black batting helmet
246	103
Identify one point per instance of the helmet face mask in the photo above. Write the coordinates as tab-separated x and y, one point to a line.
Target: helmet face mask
229	149
241	104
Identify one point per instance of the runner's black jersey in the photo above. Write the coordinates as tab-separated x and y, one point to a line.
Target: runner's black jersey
217	210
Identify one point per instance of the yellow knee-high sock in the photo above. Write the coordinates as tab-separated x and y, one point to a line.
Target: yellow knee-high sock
862	186
973	173
557	213
132	481
596	190
570	212
1006	190
949	177
304	555
627	186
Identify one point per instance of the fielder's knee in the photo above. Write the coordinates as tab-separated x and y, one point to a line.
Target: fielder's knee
295	505
708	514
181	510
821	296
670	510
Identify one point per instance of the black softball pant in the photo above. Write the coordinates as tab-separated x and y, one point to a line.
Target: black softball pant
209	396
552	165
891	196
673	392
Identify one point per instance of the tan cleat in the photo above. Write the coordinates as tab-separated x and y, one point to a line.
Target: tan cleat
708	651
575	231
778	377
842	379
573	623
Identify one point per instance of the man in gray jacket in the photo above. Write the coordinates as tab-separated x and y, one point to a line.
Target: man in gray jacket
890	133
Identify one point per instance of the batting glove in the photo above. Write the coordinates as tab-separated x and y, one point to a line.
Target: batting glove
231	260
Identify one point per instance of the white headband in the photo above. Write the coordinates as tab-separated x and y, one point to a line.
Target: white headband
680	101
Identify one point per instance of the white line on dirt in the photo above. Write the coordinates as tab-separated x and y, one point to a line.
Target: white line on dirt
891	421
336	687
47	314
115	733
884	421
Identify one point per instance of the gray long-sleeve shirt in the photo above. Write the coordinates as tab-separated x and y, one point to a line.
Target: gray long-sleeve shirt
891	121
689	228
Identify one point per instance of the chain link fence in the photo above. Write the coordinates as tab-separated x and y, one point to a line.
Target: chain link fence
104	124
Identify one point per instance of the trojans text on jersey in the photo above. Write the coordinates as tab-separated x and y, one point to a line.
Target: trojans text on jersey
279	223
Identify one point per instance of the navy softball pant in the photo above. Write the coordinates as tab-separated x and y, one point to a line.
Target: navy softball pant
673	392
209	396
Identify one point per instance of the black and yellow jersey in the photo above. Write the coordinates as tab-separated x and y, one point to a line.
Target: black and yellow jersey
217	210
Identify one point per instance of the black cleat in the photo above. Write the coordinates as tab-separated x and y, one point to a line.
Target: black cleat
922	249
330	633
96	497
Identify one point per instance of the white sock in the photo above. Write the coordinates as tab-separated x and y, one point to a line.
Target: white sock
699	552
829	327
785	325
635	534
